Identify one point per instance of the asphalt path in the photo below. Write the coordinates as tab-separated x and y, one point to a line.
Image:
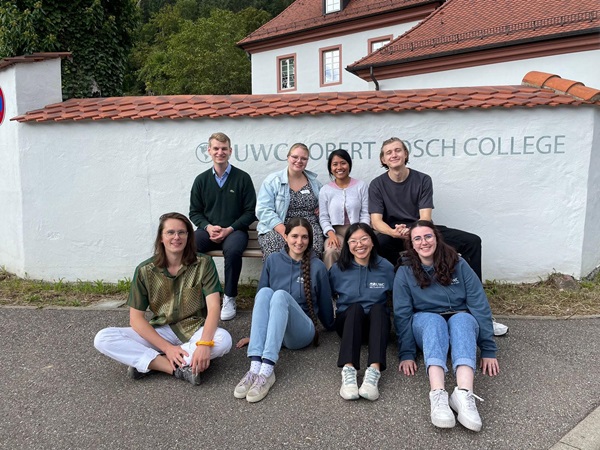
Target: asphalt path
58	392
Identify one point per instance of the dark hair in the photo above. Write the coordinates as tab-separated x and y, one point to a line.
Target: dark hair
342	154
445	258
344	262
189	252
302	222
389	141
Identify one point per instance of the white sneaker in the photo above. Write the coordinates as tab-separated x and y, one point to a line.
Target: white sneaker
368	388
463	402
349	389
441	414
499	329
229	308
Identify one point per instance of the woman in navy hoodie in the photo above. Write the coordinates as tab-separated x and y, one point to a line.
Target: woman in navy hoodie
362	281
439	303
292	292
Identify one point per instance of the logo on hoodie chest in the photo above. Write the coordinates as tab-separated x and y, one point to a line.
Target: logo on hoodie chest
376	285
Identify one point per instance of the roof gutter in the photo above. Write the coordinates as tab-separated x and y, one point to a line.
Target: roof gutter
373	78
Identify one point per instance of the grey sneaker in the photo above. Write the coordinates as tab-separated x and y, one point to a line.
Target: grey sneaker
349	389
185	373
441	414
260	388
229	309
368	388
242	388
463	402
134	374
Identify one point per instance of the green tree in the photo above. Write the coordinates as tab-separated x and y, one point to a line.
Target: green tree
201	56
97	32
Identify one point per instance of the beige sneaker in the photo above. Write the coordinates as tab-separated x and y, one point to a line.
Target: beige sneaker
260	388
242	388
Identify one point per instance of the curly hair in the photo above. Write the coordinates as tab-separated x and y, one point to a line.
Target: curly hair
305	264
445	258
189	252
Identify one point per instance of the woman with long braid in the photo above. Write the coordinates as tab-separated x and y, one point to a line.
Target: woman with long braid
292	292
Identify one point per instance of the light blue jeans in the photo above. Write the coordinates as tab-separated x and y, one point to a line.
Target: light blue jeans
433	334
278	319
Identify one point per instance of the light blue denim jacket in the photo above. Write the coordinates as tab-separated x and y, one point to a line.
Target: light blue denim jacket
273	199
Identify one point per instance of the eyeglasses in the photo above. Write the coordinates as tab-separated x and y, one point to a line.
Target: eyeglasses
363	241
420	239
173	233
299	158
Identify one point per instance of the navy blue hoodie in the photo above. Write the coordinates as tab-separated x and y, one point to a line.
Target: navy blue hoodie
359	284
280	272
465	293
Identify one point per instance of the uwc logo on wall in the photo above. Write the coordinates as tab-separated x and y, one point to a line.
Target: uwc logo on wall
1	106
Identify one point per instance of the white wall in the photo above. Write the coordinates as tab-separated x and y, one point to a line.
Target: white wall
581	66
93	191
25	87
354	47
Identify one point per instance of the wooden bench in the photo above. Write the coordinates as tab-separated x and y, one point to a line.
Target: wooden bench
252	250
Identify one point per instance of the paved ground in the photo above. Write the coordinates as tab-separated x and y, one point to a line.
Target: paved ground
58	392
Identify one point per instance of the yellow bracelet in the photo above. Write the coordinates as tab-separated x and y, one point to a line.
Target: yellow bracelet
207	343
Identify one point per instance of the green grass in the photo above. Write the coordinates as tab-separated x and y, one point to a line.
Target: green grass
26	291
544	298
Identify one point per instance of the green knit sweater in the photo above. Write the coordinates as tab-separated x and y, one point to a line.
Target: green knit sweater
229	206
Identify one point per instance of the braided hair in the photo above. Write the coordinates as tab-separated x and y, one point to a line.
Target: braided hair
305	265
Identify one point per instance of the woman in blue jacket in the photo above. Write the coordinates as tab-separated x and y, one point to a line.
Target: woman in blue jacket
292	292
439	303
362	281
291	192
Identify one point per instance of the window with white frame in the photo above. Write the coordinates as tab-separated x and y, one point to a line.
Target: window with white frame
332	6
376	45
330	66
287	73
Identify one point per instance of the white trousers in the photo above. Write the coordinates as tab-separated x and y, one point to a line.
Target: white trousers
123	344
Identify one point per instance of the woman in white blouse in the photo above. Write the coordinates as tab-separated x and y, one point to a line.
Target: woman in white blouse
342	202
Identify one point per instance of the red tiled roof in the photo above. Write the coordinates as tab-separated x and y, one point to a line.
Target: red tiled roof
34	57
540	90
461	26
308	14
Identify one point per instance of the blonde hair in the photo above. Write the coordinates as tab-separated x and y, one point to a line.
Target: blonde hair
221	137
298	145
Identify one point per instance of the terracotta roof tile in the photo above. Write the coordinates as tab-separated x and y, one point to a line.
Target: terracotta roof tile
303	15
212	106
460	26
560	85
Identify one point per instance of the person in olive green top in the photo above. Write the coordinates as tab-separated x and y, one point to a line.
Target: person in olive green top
222	204
183	291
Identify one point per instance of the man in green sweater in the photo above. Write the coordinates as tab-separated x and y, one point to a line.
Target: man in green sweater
222	206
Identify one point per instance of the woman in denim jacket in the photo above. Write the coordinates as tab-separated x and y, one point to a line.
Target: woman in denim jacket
292	192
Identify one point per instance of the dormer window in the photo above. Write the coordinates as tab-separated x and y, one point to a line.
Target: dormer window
332	6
